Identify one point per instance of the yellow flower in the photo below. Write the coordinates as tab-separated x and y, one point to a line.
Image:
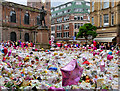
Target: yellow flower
45	71
0	76
23	69
55	53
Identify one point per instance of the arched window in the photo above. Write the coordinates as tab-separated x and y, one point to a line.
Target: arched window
38	20
26	37
13	36
26	18
13	16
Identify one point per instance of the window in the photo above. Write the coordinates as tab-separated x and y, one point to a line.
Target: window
78	3
66	18
60	13
26	18
106	4
78	10
53	34
66	34
92	20
59	20
59	27
76	25
112	19
13	16
78	17
75	34
106	20
53	15
88	4
100	4
38	20
53	28
112	3
53	21
63	6
88	10
92	6
59	35
52	10
65	11
33	4
56	9
69	4
69	10
100	20
66	27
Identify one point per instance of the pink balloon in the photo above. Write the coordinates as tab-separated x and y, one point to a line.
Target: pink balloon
109	57
9	53
51	89
89	47
98	53
60	89
94	53
94	48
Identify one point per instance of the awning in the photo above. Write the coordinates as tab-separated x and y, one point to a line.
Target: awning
107	39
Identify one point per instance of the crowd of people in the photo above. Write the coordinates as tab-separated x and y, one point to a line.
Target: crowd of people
16	43
104	46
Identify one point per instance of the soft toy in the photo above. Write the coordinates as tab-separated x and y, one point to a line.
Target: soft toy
94	53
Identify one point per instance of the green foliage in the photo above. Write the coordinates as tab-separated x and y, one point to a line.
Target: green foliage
86	30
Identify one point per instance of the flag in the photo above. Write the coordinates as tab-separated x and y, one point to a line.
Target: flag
71	73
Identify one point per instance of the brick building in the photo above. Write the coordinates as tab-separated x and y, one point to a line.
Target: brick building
19	22
105	16
67	18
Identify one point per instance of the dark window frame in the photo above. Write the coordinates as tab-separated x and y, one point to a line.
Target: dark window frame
13	16
27	18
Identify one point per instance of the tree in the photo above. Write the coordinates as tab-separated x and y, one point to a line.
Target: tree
87	30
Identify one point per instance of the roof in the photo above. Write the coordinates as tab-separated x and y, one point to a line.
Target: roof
16	5
68	3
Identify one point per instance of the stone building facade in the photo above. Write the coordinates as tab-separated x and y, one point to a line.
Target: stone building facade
67	18
104	15
118	31
19	22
